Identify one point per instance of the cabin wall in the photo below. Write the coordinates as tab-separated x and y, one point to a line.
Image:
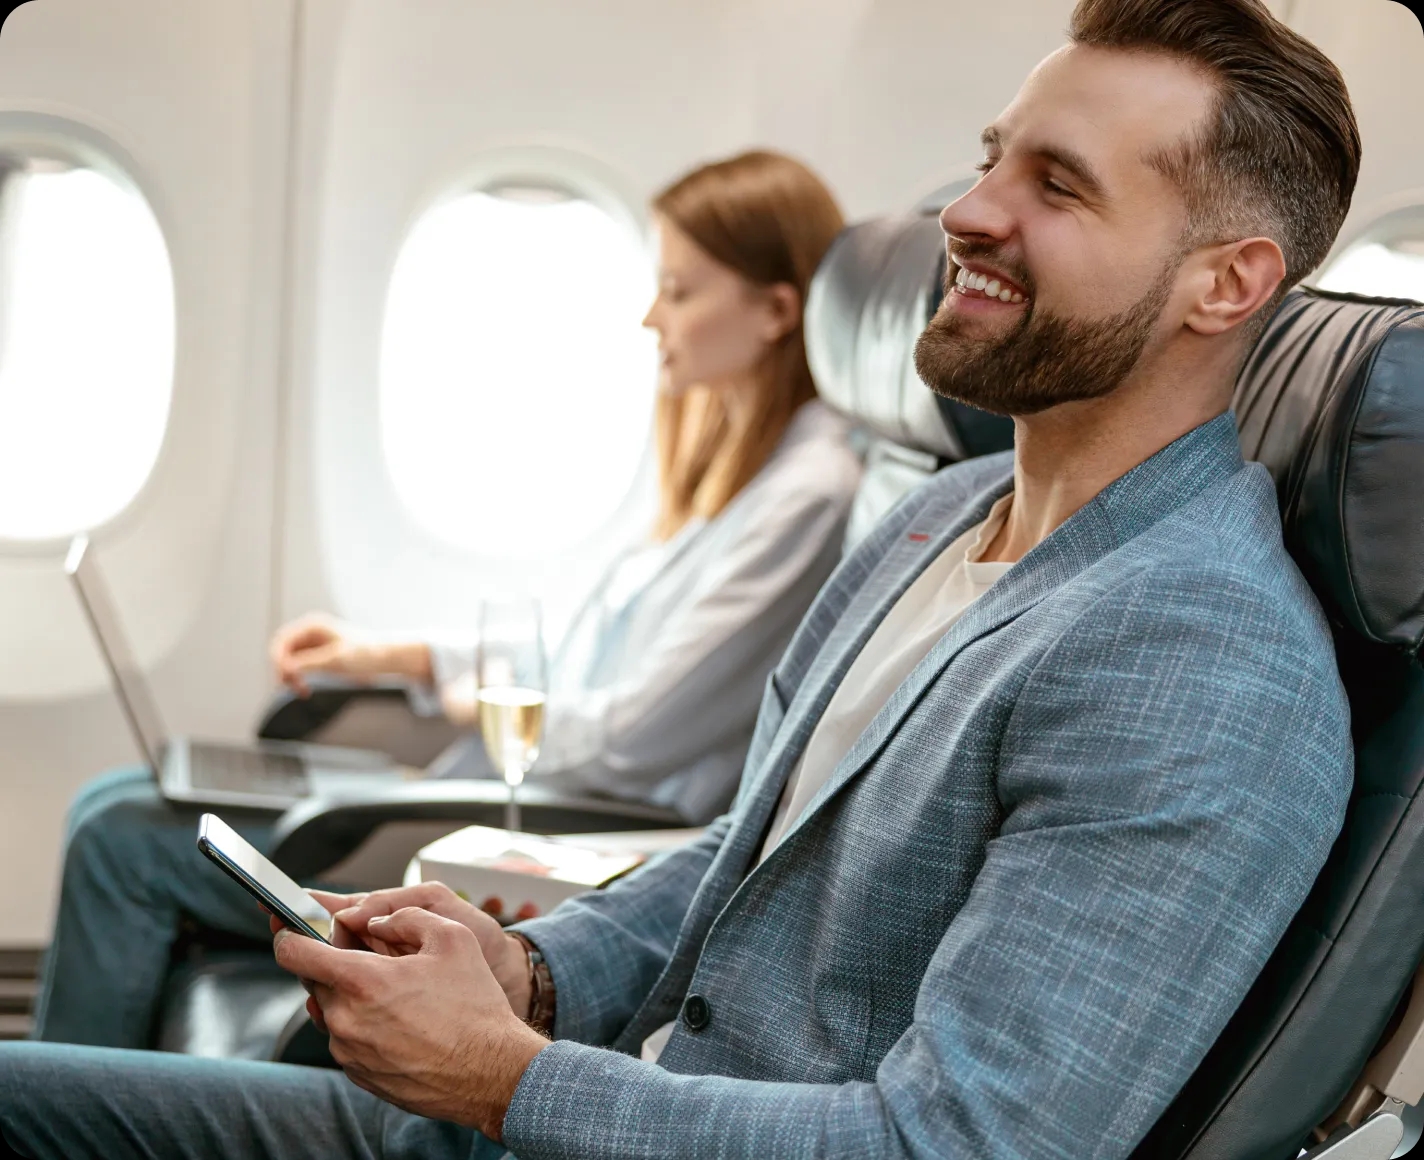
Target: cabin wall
286	147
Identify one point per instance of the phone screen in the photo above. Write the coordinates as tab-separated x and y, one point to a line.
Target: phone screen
254	873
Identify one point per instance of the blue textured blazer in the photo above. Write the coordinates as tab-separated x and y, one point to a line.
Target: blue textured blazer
1032	893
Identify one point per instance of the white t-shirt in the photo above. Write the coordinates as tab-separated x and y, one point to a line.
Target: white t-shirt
941	594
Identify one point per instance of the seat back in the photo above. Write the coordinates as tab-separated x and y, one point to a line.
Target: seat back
871	296
1332	402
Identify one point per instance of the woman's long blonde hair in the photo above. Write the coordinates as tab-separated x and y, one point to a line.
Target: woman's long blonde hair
771	220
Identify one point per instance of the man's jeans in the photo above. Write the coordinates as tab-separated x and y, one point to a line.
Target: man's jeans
132	868
60	1102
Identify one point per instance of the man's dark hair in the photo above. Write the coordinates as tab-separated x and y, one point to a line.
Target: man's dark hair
1279	152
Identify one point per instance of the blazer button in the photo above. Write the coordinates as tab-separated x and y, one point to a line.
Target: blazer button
696	1013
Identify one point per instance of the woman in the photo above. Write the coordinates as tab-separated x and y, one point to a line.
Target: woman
657	691
656	688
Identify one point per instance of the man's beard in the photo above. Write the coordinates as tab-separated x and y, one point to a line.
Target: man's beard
1043	361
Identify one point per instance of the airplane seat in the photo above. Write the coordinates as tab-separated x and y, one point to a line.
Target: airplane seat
870	298
1329	1043
1331	401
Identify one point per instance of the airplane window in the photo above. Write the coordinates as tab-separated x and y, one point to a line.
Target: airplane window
516	381
1386	271
86	346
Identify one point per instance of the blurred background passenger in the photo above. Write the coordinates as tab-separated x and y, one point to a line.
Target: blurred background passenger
656	688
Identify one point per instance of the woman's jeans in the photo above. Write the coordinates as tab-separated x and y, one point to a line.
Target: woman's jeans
132	869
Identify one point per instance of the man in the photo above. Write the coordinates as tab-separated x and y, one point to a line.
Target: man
1039	783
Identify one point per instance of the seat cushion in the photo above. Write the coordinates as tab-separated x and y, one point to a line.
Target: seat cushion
228	1005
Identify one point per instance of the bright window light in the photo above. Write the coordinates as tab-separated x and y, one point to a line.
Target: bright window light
516	381
86	349
1382	271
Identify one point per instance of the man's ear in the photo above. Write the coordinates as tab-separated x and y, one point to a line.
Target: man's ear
1242	277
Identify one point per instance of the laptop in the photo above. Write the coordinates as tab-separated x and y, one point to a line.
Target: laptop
262	774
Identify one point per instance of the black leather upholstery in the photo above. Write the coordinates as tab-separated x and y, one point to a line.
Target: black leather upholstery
318	832
872	295
365	716
228	1005
1332	402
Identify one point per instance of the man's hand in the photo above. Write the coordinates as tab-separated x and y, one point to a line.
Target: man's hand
506	957
425	1026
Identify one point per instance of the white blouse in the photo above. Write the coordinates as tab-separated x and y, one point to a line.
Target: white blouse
655	689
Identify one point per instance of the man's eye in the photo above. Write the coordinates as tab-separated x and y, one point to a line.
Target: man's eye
984	166
1058	190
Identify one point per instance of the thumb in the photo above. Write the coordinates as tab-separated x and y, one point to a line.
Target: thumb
416	929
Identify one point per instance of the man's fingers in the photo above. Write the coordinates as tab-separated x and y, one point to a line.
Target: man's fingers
334	902
307	958
415	927
314	1011
379	903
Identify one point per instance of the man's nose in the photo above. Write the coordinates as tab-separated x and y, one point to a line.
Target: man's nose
982	213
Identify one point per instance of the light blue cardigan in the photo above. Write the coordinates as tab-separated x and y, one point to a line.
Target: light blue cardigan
1032	893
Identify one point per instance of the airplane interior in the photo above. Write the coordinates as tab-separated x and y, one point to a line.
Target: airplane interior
335	348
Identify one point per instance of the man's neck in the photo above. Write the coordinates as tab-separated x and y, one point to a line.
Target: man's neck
1066	455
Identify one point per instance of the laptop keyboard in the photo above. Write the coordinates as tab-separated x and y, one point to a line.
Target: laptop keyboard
246	770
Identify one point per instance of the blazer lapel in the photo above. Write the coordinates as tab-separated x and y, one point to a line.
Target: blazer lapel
1054	562
933	530
1125	507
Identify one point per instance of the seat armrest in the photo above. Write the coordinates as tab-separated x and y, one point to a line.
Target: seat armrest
393	717
320	831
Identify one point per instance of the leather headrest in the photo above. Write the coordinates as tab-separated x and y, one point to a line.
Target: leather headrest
1331	401
872	295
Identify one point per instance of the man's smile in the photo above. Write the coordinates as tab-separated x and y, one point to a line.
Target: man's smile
980	282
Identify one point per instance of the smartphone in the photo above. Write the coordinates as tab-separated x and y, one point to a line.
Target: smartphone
246	866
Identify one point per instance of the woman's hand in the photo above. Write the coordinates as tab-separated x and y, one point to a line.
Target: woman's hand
460	700
317	643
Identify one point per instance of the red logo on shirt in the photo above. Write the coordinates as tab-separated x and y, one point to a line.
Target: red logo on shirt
918	538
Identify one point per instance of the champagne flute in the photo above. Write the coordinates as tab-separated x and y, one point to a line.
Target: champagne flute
512	671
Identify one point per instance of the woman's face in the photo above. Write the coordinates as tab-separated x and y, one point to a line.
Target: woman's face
714	326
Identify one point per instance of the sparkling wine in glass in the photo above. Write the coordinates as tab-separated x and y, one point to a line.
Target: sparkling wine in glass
512	671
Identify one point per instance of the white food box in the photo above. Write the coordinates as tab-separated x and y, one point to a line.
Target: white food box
525	871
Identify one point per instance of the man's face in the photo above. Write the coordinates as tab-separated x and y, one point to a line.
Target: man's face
1064	257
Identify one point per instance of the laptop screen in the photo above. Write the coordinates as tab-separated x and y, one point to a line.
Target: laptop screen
135	699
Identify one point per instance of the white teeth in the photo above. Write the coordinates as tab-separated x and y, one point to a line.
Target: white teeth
989	287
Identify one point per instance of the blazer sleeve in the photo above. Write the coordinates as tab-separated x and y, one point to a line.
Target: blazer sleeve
1173	774
606	948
